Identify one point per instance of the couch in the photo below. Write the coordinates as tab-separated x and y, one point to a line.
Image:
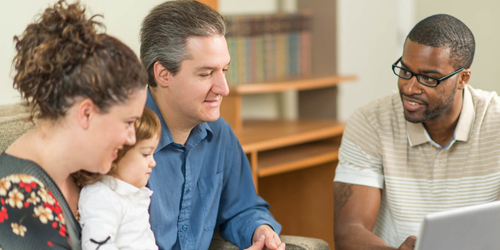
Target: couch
13	123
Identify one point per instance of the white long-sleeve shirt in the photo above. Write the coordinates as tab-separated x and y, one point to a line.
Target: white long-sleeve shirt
114	215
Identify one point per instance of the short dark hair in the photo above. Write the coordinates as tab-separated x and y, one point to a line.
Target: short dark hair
167	27
61	56
443	30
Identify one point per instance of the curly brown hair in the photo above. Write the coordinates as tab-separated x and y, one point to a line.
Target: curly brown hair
146	127
61	56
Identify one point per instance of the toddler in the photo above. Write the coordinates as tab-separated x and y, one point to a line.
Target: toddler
114	207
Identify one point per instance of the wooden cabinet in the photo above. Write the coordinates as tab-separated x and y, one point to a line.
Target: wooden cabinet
279	146
293	161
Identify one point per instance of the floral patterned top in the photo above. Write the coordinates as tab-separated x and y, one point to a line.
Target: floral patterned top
29	211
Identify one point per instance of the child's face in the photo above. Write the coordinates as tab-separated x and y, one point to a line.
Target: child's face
136	165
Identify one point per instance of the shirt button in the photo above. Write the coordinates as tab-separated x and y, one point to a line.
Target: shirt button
184	228
188	191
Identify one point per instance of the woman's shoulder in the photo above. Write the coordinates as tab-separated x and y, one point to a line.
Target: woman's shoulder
12	165
30	216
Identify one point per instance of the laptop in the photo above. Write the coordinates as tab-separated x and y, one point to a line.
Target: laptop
474	227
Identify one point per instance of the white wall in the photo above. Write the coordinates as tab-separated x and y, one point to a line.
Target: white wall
122	19
370	38
483	18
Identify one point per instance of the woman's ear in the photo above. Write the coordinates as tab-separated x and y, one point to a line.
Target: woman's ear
464	78
86	110
162	75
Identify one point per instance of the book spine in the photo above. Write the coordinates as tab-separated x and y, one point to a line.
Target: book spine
305	44
270	29
230	39
294	45
268	47
259	50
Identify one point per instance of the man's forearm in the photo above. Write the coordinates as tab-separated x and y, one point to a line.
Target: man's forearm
355	213
354	237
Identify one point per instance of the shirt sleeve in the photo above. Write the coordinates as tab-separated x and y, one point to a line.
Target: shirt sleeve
30	216
241	210
100	216
360	160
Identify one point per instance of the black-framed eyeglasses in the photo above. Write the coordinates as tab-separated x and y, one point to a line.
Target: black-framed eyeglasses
422	79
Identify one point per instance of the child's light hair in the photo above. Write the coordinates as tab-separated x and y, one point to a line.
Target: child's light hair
146	127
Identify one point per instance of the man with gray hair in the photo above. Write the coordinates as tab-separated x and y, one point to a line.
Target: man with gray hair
431	147
202	181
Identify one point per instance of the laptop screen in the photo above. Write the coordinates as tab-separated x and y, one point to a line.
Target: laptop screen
474	227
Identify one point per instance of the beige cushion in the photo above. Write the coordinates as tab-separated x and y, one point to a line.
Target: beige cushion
292	243
13	123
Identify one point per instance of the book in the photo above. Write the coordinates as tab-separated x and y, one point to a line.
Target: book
268	47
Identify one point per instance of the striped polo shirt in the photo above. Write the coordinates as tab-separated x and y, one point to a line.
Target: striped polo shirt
381	149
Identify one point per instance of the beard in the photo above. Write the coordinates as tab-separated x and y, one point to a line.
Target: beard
430	112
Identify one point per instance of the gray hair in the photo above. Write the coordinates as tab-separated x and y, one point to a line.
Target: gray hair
167	27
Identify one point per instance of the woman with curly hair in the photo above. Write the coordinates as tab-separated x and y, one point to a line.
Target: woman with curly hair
86	89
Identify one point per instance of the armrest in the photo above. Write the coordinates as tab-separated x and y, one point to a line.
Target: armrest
305	243
13	123
219	243
292	243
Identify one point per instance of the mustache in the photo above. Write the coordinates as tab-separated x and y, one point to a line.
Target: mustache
413	97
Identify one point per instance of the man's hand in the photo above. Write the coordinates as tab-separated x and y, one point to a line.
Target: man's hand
260	244
264	237
409	243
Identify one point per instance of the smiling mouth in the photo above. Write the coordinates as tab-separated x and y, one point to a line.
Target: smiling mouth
213	100
412	100
216	99
413	103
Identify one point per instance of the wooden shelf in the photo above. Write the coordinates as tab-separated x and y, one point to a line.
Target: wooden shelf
271	134
323	88
293	84
297	157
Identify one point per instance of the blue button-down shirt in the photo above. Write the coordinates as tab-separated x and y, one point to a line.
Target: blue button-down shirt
205	185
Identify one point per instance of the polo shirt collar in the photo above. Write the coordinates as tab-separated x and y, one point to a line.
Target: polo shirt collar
418	135
199	132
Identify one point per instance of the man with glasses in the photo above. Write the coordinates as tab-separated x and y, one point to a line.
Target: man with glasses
431	147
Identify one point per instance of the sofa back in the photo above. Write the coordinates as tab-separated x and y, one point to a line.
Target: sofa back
13	123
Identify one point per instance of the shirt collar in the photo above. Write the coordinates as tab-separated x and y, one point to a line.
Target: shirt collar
418	135
197	134
124	188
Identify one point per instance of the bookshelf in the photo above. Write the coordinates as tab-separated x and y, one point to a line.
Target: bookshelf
293	161
231	106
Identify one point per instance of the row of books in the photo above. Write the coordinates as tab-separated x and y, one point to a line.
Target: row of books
268	47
